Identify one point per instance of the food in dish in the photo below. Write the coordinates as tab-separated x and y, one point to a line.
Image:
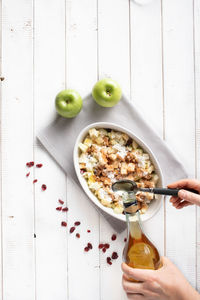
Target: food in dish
108	155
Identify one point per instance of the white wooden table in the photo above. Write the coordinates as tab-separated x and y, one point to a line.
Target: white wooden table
153	51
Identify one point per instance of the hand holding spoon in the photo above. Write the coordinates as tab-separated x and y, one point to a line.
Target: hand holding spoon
131	186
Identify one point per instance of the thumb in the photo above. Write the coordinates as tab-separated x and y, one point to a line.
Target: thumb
189	196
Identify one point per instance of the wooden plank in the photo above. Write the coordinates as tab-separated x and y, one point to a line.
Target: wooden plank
196	11
180	125
49	79
146	85
17	148
81	70
114	62
1	221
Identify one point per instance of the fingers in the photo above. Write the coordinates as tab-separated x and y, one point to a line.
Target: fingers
179	203
173	199
186	183
131	287
137	274
183	204
190	197
165	263
135	296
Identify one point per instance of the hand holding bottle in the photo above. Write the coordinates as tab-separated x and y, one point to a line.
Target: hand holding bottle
165	283
185	198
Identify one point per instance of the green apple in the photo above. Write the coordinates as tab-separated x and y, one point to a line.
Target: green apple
107	92
68	103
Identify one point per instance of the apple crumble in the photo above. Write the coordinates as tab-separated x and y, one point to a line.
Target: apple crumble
107	156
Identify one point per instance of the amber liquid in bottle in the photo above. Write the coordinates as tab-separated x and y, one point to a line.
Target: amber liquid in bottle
139	252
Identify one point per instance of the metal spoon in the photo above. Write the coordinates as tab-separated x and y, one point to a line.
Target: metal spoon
130	186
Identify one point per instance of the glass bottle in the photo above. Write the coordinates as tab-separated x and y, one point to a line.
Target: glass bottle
139	251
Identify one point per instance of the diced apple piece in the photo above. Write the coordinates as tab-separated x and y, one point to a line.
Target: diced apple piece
93	133
83	147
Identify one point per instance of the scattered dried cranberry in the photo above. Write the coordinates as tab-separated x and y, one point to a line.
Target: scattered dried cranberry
104	250
77	223
88	230
65	209
78	235
72	229
63	224
35	180
89	245
125	239
101	246
61	202
113	238
44	187
106	246
39	165
86	249
114	255
59	208
30	164
27	174
108	259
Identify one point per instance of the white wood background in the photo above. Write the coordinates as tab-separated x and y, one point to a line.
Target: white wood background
153	51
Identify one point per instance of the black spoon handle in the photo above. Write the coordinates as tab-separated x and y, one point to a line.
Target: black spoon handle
165	191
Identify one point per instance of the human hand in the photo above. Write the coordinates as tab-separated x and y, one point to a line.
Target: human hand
185	198
166	283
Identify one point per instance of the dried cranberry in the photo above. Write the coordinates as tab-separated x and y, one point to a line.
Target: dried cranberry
39	165
44	187
63	224
82	171
35	180
104	250
107	246
108	259
65	209
72	229
30	164
78	235
86	249
129	142
59	208
113	238
101	246
89	245
77	223
114	255
88	231
27	174
61	202
125	240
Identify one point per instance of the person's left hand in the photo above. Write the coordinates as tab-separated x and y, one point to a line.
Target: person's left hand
166	283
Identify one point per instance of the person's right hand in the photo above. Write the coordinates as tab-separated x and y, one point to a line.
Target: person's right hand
166	283
185	198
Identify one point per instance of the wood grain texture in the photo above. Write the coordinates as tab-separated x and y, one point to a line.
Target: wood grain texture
146	84
51	242
17	149
196	12
81	74
180	125
114	62
1	219
153	51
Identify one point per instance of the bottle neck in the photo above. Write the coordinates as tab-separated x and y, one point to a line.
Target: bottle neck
134	225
